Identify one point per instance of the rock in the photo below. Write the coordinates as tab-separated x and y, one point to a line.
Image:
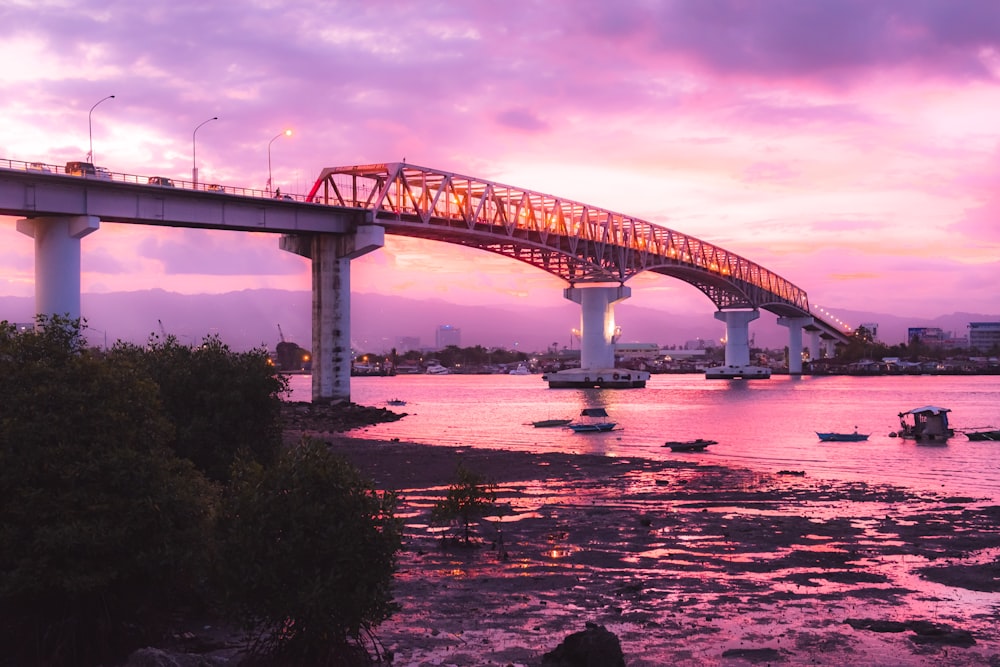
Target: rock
154	657
593	647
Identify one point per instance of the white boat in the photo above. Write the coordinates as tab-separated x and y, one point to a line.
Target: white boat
437	369
520	370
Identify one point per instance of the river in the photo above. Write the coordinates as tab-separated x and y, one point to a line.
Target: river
765	425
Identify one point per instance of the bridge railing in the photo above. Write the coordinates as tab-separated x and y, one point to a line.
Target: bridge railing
432	197
100	173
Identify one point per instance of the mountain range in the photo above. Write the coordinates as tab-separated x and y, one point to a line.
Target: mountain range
262	318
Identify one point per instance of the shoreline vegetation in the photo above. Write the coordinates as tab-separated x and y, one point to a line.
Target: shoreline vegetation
687	564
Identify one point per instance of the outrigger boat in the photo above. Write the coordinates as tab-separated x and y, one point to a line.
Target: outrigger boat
696	445
547	423
843	437
594	426
987	433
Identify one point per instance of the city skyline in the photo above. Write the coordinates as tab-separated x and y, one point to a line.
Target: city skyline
847	146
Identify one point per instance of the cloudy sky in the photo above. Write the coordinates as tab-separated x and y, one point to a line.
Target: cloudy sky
850	146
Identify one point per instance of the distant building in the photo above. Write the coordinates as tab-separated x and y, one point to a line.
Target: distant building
626	351
984	335
447	335
870	327
935	337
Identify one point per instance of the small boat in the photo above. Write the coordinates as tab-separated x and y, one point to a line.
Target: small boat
843	437
987	433
593	426
547	423
520	370
596	427
395	401
437	369
926	424
696	445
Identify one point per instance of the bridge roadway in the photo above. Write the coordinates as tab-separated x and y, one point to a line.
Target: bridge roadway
346	215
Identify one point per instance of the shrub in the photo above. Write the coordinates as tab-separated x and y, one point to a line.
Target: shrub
470	497
221	402
100	522
309	551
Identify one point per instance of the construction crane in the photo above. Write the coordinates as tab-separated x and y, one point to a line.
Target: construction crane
162	330
280	334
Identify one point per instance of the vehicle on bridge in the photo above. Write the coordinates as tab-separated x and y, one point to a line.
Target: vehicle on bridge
87	169
162	181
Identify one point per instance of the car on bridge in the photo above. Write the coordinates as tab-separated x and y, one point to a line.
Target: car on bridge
88	170
162	181
39	166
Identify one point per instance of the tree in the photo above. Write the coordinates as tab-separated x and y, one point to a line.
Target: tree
308	556
470	497
100	523
221	402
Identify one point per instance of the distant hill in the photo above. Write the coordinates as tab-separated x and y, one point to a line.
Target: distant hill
250	318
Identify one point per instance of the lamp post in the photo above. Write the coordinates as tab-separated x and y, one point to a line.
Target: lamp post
194	152
286	133
90	127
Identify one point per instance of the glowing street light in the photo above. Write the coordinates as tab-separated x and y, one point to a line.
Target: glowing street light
90	127
286	133
194	159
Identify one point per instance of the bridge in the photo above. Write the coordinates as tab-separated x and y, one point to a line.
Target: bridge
348	211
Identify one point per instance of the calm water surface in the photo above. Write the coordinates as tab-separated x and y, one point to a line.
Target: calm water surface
766	425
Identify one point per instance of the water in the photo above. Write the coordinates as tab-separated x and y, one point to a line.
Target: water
766	425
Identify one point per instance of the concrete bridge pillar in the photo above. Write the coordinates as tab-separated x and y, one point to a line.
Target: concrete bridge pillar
814	349
737	335
795	326
57	261
331	256
597	323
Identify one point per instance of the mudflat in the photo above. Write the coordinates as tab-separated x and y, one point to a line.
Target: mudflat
688	564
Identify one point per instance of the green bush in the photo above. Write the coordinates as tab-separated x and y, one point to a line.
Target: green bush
470	497
309	551
100	522
221	402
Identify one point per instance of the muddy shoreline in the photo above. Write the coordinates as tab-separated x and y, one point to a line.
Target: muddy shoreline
688	564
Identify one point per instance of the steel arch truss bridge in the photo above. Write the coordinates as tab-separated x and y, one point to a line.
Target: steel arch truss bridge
576	242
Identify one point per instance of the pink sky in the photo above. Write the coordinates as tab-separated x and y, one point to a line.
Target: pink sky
850	146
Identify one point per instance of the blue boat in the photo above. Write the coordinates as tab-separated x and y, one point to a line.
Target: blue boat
843	437
593	426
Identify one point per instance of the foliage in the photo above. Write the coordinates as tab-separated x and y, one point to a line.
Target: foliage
221	402
309	552
476	355
470	497
99	521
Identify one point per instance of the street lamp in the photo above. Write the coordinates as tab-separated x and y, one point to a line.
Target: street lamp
90	127
286	133
194	153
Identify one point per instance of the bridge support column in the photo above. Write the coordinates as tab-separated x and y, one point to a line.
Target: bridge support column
737	334
57	261
737	365
597	323
331	256
814	349
795	326
597	351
